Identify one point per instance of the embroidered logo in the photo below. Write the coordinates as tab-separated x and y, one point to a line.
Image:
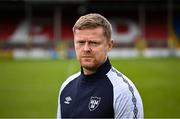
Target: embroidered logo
94	103
68	100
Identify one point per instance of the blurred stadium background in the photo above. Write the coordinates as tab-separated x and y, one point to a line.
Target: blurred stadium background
37	52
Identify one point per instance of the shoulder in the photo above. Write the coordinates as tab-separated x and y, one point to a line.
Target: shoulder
118	80
68	80
127	100
123	87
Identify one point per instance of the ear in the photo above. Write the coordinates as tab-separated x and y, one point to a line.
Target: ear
110	45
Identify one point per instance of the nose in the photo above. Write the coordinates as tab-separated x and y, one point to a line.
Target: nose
87	47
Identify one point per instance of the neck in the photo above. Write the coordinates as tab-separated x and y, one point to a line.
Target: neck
88	71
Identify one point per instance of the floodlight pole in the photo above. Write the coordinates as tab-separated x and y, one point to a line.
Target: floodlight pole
142	20
57	25
171	34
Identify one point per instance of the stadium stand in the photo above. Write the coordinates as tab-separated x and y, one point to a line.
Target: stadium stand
41	29
7	27
35	27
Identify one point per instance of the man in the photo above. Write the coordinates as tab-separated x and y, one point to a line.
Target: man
99	90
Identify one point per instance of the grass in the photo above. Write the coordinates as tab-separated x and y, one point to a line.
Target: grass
30	88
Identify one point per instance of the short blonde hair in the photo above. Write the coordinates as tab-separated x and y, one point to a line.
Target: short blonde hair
94	20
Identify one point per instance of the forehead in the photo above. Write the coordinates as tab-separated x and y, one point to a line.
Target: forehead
93	32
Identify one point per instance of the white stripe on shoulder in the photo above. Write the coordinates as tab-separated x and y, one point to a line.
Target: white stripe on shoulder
69	79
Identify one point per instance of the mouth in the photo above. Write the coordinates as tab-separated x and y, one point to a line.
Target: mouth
85	56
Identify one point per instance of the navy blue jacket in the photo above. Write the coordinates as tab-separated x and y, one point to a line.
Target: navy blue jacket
104	94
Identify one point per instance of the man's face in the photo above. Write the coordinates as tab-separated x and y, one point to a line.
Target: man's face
91	47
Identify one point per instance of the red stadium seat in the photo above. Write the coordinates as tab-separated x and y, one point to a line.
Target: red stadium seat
7	27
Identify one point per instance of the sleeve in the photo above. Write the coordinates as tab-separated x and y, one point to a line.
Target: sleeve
128	104
59	101
59	108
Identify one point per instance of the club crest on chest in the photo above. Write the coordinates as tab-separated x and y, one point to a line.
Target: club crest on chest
94	103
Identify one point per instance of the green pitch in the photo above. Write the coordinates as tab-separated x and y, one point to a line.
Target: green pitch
30	88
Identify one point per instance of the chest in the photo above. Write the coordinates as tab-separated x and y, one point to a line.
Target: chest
94	99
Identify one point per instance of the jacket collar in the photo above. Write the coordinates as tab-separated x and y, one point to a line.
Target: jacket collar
101	72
